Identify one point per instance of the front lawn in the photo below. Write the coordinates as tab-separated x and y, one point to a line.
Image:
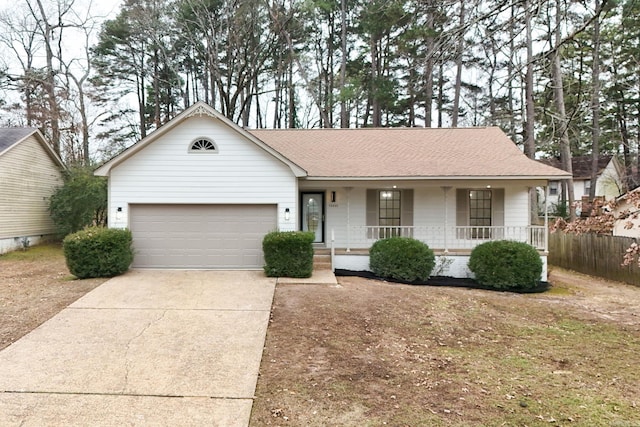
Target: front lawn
34	286
369	353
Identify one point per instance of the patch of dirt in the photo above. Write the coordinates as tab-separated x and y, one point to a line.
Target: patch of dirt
34	288
601	298
371	353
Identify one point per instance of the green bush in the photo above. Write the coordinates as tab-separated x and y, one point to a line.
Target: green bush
505	265
98	252
401	258
288	253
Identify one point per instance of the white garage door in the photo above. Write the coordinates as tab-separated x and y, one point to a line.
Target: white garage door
200	236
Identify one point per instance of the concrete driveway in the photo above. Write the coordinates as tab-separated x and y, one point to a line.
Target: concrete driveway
147	348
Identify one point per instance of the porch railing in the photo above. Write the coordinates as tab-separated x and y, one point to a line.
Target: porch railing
449	238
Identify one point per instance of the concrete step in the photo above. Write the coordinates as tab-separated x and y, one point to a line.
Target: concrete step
322	259
322	266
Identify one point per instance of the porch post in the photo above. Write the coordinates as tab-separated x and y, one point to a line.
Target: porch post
348	191
445	190
546	218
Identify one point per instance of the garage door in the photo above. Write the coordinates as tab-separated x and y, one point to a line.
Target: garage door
200	236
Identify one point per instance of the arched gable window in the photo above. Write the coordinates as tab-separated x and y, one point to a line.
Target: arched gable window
203	145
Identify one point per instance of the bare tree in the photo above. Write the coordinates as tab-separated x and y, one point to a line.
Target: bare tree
455	111
595	104
561	115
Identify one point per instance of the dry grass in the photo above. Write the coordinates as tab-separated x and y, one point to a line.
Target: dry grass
369	354
34	286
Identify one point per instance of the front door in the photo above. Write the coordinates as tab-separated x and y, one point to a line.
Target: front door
313	215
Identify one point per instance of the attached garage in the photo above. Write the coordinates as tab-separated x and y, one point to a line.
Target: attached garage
200	236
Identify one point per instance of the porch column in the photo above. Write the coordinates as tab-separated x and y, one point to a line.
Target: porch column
546	218
348	191
445	190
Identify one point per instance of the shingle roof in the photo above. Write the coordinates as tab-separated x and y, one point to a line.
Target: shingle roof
10	136
406	152
580	165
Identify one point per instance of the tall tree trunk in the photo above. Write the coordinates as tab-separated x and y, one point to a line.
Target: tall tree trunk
529	130
595	104
344	114
428	70
376	111
49	83
440	92
156	89
529	136
455	112
558	98
511	75
292	100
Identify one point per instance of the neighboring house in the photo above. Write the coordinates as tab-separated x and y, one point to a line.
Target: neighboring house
609	182
30	171
201	192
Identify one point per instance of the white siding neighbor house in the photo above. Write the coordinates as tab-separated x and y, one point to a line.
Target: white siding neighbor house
609	181
201	192
30	172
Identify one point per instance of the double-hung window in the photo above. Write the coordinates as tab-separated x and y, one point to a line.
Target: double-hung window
480	213
389	214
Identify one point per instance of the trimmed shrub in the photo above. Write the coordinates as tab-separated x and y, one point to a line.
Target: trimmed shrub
288	253
98	252
505	265
401	258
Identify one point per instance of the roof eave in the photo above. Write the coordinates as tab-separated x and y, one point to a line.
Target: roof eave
439	178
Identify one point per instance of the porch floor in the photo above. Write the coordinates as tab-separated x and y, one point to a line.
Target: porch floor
360	251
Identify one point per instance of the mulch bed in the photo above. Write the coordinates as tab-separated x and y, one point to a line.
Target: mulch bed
444	281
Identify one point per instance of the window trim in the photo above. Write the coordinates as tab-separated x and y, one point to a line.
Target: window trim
213	150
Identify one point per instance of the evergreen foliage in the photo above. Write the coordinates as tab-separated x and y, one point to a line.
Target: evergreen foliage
506	265
80	202
288	254
98	252
401	258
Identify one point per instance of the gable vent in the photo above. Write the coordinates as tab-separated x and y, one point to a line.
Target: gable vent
203	145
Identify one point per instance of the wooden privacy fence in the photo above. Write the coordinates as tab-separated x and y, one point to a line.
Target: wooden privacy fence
593	254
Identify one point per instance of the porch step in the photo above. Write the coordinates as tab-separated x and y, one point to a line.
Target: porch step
321	259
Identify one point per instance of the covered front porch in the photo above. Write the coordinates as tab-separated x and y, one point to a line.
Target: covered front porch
451	219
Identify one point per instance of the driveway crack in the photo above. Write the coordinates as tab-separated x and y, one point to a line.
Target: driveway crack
128	360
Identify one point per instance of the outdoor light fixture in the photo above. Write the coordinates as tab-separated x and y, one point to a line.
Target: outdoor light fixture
119	213
333	197
287	214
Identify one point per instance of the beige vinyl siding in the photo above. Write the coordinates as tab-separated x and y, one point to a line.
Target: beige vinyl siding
28	177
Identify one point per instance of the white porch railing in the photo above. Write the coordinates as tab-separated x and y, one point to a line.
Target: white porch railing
449	238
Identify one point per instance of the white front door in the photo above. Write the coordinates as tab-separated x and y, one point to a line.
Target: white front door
313	215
